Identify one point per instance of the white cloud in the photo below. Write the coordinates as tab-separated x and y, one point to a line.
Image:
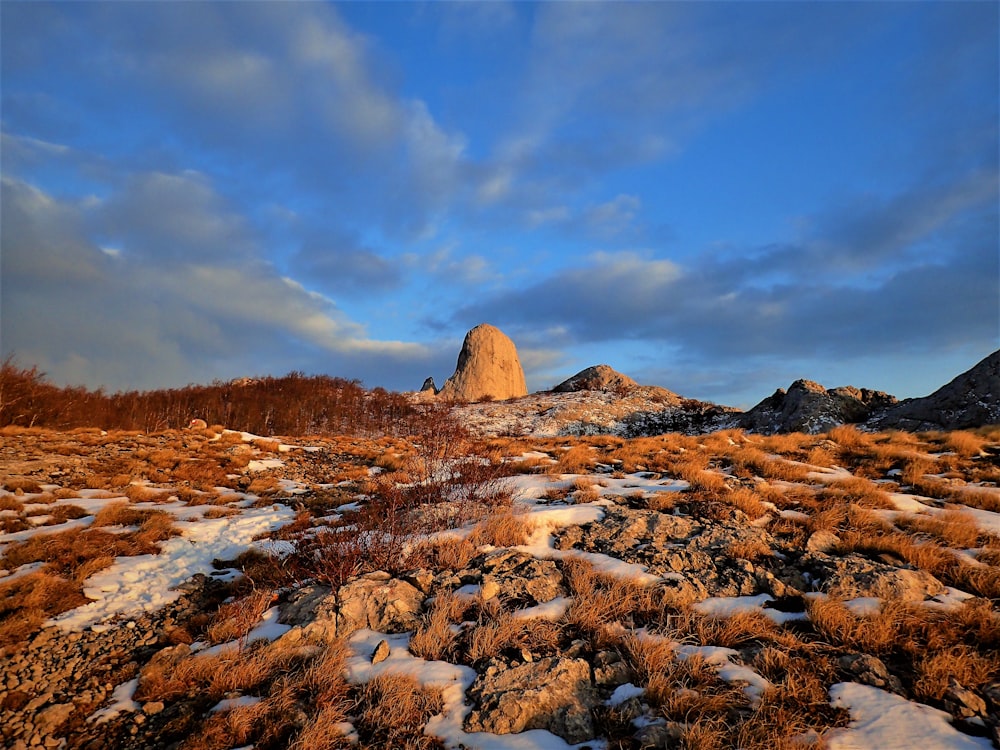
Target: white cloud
124	321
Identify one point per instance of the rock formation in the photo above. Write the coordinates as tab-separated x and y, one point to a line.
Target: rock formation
596	378
970	400
488	368
429	386
809	407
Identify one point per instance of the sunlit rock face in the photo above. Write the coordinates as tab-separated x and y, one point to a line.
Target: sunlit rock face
596	378
488	368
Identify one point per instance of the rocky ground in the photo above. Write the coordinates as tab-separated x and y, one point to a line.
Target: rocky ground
726	590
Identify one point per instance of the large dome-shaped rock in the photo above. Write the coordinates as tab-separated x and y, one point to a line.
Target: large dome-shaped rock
488	368
596	378
972	399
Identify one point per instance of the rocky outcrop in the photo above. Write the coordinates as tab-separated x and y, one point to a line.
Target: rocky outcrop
488	368
553	693
429	386
379	602
809	407
597	378
970	400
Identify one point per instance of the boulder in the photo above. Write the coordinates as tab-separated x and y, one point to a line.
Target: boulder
553	693
488	368
597	378
523	579
853	576
379	602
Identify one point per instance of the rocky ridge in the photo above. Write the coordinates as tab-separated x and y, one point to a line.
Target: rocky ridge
809	407
969	400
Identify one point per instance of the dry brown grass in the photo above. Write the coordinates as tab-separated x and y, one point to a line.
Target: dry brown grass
10	502
579	459
753	550
233	620
821	456
734	631
750	462
140	493
586	490
927	555
119	514
664	502
966	444
983	499
969	667
952	527
746	500
435	638
877	634
497	630
692	467
442	554
505	528
850	439
860	491
21	485
78	554
27	601
392	710
600	601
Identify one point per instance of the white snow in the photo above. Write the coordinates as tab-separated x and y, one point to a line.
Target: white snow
727	606
146	582
623	693
121	702
228	704
553	610
263	464
883	721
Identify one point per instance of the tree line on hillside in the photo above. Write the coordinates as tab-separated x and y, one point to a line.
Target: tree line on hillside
296	404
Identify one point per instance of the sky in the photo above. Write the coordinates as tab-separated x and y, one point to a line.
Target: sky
718	198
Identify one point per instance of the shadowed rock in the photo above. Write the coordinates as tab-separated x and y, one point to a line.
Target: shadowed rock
970	400
809	407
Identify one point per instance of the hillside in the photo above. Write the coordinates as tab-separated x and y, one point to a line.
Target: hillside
214	589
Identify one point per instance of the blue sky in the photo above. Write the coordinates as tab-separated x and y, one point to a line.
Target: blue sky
718	198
